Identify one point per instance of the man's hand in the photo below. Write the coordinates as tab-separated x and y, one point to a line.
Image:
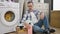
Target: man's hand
42	15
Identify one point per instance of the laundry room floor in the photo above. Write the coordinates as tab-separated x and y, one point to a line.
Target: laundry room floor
57	31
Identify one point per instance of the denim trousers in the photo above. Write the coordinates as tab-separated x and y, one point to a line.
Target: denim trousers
37	26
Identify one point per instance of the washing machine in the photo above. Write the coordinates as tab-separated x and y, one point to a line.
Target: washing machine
9	15
42	6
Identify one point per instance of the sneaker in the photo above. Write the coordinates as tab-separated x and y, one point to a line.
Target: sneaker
46	32
52	30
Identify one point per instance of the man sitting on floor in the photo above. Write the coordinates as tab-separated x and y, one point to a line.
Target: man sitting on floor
31	18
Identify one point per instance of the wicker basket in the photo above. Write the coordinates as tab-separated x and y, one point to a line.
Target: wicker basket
19	31
55	18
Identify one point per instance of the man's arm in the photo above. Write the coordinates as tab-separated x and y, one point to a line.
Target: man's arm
40	15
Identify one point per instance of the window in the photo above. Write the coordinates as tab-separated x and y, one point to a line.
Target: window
2	0
46	1
15	1
38	0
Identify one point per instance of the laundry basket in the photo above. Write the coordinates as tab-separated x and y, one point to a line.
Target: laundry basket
55	18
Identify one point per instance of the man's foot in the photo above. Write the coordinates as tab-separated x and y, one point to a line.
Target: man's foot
52	30
46	32
49	31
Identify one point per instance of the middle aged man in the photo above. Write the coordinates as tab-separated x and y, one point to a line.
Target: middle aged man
31	18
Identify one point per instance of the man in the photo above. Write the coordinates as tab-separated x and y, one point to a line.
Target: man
31	18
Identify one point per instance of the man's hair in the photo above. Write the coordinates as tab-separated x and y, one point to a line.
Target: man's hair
30	2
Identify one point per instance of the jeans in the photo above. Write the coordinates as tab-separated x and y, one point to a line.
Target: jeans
37	26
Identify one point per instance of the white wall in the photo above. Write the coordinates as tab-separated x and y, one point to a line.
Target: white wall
56	4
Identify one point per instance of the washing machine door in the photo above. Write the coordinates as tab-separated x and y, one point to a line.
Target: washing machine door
9	18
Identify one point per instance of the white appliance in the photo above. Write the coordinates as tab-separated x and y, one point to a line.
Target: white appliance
9	15
56	5
41	6
44	7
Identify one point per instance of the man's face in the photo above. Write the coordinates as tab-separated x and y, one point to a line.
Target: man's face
30	6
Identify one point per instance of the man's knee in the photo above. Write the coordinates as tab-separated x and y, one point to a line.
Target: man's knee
36	28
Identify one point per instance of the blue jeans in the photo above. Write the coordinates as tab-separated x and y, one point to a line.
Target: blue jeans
37	26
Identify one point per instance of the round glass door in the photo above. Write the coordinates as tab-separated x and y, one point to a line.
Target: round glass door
9	16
